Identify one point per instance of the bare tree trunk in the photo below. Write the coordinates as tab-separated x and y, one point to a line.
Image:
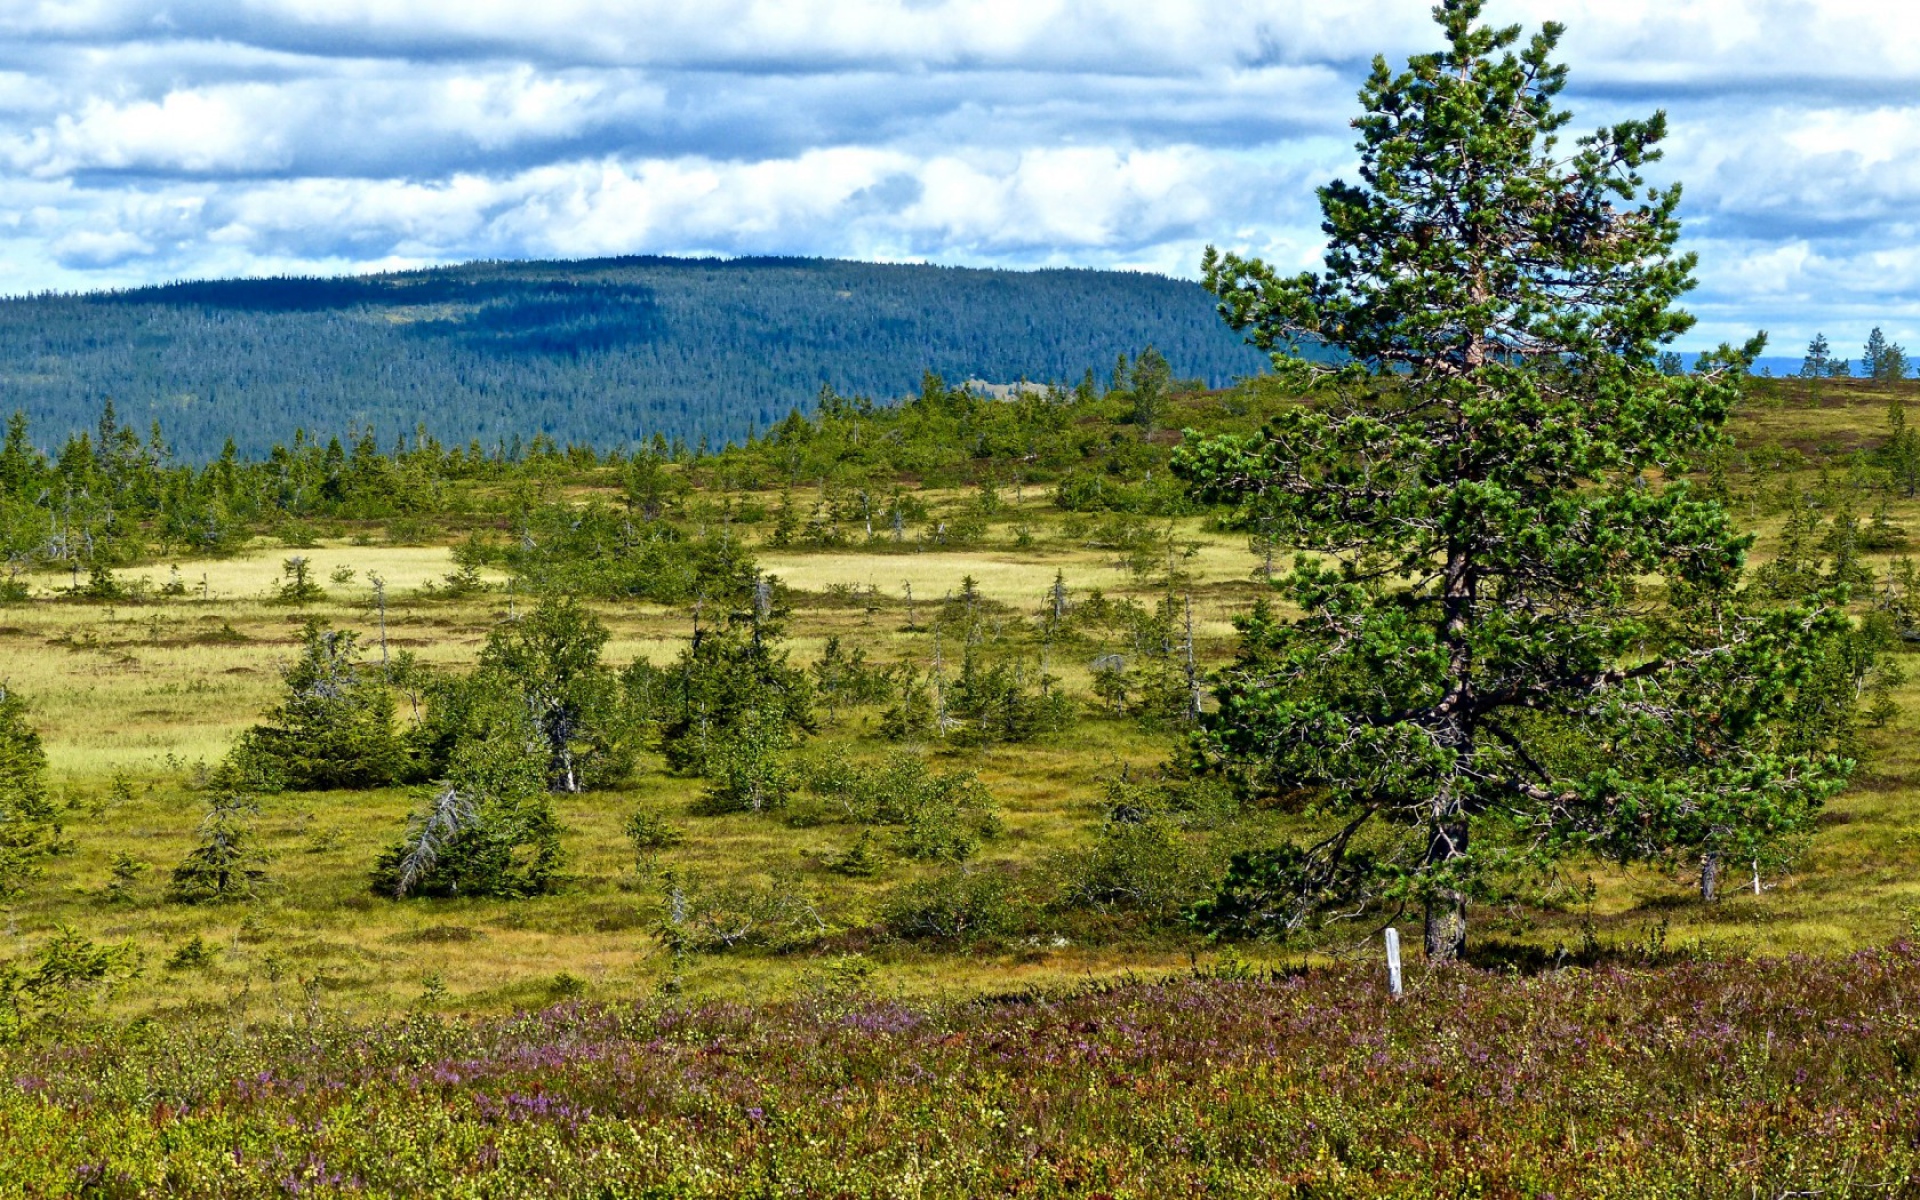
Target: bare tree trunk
1446	916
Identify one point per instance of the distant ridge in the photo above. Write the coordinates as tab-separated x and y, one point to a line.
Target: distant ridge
602	351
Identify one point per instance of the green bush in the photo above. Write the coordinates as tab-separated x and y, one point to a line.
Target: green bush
862	860
944	817
550	659
596	550
64	980
123	874
28	831
650	833
957	905
941	816
194	954
747	768
1149	868
707	916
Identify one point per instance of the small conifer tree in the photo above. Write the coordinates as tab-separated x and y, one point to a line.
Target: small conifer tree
335	727
488	829
27	826
226	862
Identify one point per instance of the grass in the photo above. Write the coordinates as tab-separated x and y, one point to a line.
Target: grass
131	696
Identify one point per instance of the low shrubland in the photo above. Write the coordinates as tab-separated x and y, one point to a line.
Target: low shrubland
1737	1078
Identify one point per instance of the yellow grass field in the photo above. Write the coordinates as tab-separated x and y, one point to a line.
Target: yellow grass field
132	698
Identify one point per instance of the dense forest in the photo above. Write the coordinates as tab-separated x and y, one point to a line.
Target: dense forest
605	352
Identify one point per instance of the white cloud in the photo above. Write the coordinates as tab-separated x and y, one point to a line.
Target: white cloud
140	142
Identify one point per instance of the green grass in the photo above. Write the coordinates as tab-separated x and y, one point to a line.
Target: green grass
131	696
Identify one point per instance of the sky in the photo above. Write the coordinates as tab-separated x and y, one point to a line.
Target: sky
143	141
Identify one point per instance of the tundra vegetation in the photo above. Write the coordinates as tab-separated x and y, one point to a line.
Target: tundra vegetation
679	822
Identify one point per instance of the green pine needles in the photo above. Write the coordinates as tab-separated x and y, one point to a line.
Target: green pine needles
28	830
488	829
1515	630
333	729
227	861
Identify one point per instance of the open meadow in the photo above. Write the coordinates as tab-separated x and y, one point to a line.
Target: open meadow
137	698
942	935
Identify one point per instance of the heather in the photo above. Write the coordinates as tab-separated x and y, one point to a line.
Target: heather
1744	1077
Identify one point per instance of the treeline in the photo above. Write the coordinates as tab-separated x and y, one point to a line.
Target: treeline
605	353
657	520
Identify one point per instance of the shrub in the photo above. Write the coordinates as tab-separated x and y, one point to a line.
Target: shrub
193	955
1277	892
550	658
1205	802
297	586
913	713
747	768
957	905
65	979
704	916
596	550
1145	867
28	830
863	860
942	816
124	872
1005	702
843	678
650	832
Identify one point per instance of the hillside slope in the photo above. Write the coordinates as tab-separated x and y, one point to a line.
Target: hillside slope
604	352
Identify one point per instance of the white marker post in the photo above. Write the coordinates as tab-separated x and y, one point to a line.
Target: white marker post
1393	961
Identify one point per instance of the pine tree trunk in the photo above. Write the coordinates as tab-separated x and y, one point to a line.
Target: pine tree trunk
1446	916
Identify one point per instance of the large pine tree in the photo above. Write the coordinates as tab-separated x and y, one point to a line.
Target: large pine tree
1514	629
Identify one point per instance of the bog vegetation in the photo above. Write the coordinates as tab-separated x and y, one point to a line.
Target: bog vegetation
1141	705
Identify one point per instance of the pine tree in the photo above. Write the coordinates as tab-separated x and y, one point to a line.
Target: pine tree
1819	357
1901	454
1843	543
1882	360
1817	365
1484	484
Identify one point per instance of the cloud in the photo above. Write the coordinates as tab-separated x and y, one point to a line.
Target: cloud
141	142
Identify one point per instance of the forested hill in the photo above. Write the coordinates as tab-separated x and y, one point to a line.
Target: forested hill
603	352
